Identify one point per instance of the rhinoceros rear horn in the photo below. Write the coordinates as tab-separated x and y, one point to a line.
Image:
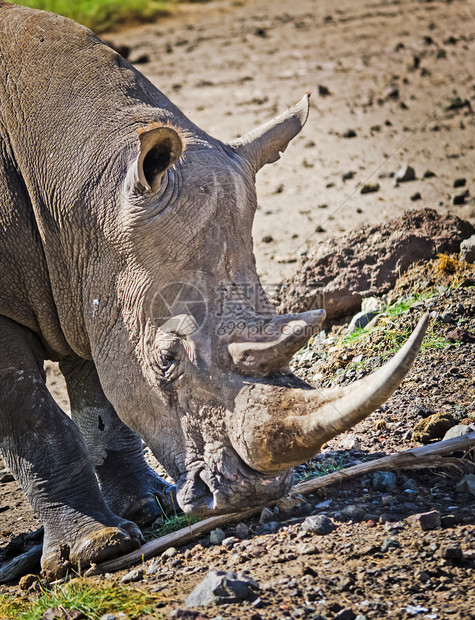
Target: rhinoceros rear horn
265	144
160	148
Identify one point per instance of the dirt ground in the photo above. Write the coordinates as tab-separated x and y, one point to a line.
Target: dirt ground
391	84
390	68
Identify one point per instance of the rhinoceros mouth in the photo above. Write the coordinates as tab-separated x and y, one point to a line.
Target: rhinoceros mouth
205	491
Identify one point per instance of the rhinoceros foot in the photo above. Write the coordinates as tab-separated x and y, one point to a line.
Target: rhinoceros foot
158	502
141	498
97	546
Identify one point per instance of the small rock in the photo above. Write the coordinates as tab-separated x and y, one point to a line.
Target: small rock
414	610
350	442
229	542
266	515
216	536
425	520
416	196
423	576
171	552
372	304
461	182
134	575
360	320
428	174
109	617
153	567
141	60
350	133
221	587
404	174
369	188
269	527
356	513
287	505
267	239
345	614
433	427
318	524
447	317
455	103
461	335
7	477
467	484
323	91
392	92
412	62
306	549
459	430
384	481
241	531
467	250
389	543
459	199
347	176
447	521
452	552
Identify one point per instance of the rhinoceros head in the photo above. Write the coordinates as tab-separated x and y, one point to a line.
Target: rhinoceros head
203	357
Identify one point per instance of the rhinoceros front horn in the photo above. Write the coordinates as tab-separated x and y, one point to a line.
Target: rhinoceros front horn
276	426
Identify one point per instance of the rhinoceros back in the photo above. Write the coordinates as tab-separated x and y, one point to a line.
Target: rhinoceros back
70	109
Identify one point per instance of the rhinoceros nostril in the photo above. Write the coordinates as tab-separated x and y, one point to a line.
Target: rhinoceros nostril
194	495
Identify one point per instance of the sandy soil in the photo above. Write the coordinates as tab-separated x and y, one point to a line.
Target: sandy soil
391	70
389	67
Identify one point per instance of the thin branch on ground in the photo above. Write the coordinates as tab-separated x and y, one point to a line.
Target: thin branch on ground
417	458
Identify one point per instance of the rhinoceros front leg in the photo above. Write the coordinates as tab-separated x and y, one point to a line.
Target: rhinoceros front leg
130	487
49	458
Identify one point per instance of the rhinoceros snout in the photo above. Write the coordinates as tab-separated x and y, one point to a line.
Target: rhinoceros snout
206	492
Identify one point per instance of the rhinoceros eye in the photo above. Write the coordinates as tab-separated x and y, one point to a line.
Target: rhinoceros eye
166	362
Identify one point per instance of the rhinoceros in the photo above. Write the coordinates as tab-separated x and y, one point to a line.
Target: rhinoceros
126	255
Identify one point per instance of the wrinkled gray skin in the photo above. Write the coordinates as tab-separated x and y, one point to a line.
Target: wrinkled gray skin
108	195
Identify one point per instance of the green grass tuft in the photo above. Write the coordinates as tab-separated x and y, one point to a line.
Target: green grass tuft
102	15
92	598
172	524
314	469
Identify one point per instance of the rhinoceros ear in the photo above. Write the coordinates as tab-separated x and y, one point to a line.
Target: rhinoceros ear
265	144
160	148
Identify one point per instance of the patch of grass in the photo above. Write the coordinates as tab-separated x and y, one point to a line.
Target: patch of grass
316	469
172	524
102	15
93	598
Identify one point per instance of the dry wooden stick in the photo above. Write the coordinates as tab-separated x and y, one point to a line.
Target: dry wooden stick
417	458
425	456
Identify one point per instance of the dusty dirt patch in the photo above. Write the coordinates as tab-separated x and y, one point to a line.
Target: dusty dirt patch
390	69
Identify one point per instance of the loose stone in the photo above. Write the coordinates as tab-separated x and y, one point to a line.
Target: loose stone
425	520
134	575
217	536
318	524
